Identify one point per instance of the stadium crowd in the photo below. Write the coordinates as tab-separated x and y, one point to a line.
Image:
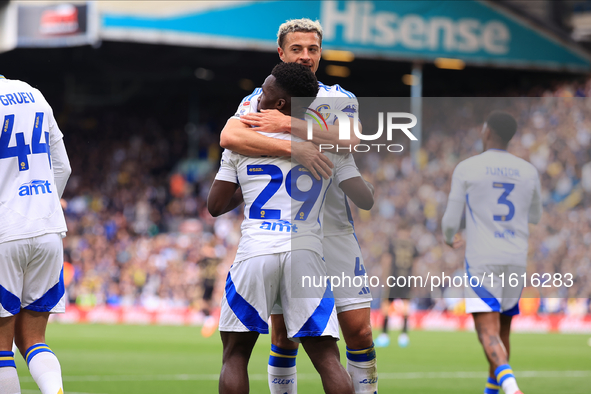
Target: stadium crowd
139	232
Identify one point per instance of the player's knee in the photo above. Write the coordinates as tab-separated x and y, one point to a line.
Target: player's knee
285	343
360	338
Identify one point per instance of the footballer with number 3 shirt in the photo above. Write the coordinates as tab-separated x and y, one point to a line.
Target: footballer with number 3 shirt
501	193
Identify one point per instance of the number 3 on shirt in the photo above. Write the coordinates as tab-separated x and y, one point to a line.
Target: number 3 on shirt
23	150
309	197
503	200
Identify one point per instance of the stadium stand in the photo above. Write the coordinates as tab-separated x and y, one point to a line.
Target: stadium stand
138	227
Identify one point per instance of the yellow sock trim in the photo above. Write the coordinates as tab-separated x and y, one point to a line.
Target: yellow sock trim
281	355
503	373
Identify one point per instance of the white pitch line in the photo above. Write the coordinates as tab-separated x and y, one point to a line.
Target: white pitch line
479	375
382	375
37	392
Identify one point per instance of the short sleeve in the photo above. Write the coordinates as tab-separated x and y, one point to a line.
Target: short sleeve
55	134
345	168
228	171
350	106
245	106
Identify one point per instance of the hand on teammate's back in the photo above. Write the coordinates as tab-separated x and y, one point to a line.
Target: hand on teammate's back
307	154
268	121
458	242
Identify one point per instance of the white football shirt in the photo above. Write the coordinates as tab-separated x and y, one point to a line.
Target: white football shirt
337	215
283	202
29	199
499	190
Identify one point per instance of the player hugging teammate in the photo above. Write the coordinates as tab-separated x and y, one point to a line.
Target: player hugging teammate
251	133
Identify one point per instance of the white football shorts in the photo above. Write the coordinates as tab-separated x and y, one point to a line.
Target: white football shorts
501	295
31	275
344	265
345	268
255	285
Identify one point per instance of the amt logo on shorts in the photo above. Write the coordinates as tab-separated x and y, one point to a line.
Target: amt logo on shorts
36	186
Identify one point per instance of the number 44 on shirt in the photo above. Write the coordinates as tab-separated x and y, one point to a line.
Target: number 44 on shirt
22	150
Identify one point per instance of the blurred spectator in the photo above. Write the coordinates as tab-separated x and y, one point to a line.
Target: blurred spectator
139	233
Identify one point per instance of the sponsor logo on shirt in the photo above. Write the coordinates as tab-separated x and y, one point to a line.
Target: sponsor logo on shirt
349	110
280	226
35	187
507	234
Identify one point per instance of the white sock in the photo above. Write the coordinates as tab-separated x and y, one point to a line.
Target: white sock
9	381
510	386
282	373
45	369
362	366
282	380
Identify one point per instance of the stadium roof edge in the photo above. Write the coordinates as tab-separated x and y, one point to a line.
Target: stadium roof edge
479	32
550	30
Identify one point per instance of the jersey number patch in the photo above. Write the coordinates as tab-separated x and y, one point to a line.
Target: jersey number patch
508	187
308	197
22	150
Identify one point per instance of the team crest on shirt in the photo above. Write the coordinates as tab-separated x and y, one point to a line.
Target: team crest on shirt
321	107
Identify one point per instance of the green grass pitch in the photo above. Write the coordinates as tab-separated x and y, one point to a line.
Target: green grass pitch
113	359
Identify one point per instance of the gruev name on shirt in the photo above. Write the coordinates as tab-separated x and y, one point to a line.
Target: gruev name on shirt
17	98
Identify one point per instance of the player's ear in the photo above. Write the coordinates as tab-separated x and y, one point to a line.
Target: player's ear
280	104
281	54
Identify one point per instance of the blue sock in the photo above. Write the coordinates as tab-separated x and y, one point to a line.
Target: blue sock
7	359
492	387
503	373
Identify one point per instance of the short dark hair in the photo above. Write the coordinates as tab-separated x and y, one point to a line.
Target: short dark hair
295	79
502	124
